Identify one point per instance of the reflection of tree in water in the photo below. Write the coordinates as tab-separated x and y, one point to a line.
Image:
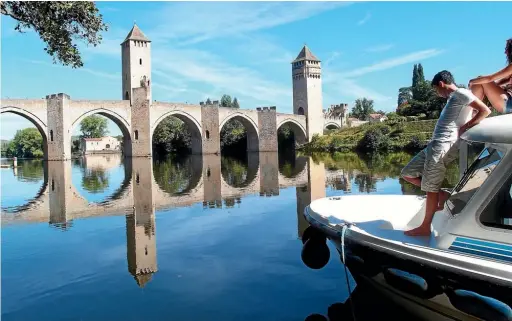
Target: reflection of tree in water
173	174
366	183
367	169
30	170
95	180
234	171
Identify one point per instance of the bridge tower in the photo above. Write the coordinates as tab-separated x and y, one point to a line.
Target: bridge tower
307	90
136	63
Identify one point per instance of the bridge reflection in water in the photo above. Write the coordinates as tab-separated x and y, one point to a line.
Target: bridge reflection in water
150	185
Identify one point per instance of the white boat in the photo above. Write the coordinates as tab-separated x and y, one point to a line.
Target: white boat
463	271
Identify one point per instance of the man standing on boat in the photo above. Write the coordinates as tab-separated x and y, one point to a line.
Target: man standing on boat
427	169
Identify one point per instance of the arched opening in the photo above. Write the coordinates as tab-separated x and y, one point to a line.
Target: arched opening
176	133
291	165
23	134
94	130
240	171
289	135
101	178
238	135
300	111
178	174
329	128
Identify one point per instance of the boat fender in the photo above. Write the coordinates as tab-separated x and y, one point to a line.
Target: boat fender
310	232
480	306
410	283
315	317
356	263
315	253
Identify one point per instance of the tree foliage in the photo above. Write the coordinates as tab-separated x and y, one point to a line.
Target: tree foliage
170	136
58	23
420	98
27	143
225	101
95	180
235	104
362	108
93	127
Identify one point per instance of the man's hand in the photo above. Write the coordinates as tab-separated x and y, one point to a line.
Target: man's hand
463	128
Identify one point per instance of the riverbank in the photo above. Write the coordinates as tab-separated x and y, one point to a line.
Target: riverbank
390	135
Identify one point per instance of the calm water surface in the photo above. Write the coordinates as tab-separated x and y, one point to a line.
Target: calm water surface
191	238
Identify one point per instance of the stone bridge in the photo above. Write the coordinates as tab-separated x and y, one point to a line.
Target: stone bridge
137	114
57	116
59	202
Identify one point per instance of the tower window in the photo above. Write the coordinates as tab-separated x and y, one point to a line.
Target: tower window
51	135
140	61
300	111
126	96
136	134
207	134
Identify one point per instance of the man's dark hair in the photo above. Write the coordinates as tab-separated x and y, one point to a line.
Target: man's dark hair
444	76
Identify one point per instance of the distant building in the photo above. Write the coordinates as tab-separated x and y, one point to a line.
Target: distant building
377	118
100	145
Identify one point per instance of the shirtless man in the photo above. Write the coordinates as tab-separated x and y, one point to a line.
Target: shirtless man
427	169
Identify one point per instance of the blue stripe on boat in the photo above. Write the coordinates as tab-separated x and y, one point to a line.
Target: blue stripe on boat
482	248
492	250
484	243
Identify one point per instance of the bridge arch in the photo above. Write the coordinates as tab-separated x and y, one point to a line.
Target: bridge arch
297	128
250	126
192	124
122	123
34	119
332	125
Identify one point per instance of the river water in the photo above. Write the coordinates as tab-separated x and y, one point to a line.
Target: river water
190	238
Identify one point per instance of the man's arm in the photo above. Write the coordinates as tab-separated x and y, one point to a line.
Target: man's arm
482	112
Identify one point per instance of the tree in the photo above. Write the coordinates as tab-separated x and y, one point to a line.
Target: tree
171	135
404	95
93	127
362	108
95	180
27	143
225	101
235	104
58	23
421	76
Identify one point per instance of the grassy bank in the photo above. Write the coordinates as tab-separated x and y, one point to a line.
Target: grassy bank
387	136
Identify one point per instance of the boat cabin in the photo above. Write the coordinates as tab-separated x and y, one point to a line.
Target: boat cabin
480	205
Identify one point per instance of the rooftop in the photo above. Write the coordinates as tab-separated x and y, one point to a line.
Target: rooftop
305	54
136	34
495	129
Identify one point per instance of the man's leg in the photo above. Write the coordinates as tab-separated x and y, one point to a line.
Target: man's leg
412	172
433	175
424	228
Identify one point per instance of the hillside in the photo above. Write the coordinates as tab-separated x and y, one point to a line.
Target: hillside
391	135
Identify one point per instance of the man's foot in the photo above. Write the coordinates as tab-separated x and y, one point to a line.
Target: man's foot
443	197
419	231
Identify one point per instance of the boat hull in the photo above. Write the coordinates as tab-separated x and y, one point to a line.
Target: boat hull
429	285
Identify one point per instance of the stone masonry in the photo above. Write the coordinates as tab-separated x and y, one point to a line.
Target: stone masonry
137	115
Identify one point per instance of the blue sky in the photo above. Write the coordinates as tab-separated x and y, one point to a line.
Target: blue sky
206	49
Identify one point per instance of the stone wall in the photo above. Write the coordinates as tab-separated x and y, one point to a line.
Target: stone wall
211	131
141	126
267	129
59	122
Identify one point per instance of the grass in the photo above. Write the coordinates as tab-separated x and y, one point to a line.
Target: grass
391	135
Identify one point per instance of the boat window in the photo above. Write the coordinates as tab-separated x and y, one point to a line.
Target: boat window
474	177
498	213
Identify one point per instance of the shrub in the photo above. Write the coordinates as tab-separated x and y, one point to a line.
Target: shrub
417	142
